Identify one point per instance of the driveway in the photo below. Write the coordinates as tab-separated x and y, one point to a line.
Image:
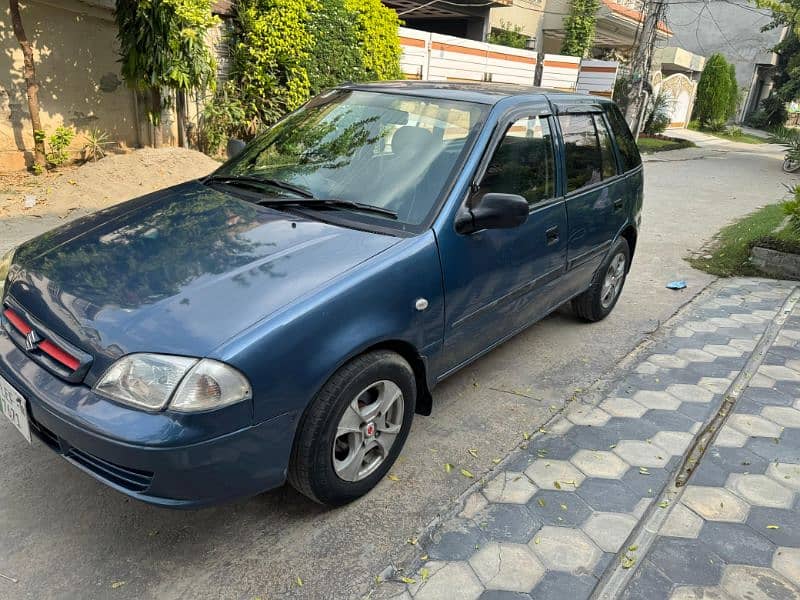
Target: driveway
65	535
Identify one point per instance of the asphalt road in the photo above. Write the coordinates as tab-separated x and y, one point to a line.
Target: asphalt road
62	535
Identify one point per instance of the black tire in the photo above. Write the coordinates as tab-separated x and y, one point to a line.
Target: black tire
311	467
589	305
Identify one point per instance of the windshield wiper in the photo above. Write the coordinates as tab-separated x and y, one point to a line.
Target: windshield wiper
259	183
334	202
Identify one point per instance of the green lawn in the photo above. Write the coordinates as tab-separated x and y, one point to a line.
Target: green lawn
744	138
730	249
648	145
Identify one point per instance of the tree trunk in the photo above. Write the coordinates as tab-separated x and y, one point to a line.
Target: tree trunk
155	117
32	88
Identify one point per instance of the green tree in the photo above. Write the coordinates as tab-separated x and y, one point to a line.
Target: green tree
733	98
163	49
335	56
378	41
579	27
713	101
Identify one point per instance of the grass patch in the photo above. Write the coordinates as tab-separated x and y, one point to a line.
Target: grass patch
730	250
649	145
733	134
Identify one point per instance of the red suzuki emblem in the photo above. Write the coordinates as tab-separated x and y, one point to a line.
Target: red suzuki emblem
369	430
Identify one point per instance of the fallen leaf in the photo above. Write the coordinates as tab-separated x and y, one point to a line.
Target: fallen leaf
408	580
541	502
628	561
299	581
633	548
392	478
448	467
424	557
526	436
424	573
467	474
537	540
663	504
496	461
563	507
412	541
556	485
378	580
117	585
473	452
773	527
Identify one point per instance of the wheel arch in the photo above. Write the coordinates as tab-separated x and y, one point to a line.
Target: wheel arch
630	235
424	403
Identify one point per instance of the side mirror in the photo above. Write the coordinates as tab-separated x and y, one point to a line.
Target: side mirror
234	147
494	211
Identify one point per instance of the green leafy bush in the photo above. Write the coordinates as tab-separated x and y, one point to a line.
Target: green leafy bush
775	112
376	27
223	117
58	143
791	208
579	27
658	116
714	94
336	55
508	34
95	147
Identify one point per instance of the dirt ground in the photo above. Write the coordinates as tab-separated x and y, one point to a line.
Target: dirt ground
92	186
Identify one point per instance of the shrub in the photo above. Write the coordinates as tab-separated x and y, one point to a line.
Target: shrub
791	208
579	27
713	103
335	56
658	116
775	112
224	116
622	87
376	27
733	94
508	34
59	146
734	132
94	148
270	56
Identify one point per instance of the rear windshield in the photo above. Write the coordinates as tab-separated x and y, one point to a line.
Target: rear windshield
625	142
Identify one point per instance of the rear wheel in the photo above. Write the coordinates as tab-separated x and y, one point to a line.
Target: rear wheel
599	300
354	429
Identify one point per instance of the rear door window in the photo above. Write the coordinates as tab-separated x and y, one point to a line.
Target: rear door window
606	147
584	160
628	151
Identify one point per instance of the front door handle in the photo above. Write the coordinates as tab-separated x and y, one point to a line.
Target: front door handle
551	235
618	204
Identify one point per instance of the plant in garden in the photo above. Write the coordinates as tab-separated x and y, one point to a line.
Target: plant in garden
734	95
658	116
508	34
59	143
579	27
163	49
379	43
791	208
94	148
224	116
271	54
335	56
713	104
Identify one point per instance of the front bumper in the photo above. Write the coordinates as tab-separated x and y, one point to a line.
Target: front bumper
148	456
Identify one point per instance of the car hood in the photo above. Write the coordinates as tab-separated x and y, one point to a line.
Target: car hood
179	271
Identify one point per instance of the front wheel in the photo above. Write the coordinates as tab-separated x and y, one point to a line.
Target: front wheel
354	429
599	300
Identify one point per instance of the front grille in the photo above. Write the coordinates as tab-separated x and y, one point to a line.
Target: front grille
125	477
48	350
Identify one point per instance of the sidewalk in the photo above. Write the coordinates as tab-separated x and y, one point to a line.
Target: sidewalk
589	506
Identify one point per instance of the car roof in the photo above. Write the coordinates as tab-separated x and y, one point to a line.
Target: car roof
480	92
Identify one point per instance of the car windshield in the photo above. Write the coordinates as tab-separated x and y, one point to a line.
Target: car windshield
373	149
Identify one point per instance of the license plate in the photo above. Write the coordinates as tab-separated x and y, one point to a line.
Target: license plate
12	406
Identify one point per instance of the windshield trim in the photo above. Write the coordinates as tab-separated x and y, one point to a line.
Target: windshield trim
374	222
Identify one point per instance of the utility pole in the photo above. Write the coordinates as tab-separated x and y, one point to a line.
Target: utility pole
653	12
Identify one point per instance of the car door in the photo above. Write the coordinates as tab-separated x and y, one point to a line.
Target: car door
497	281
595	198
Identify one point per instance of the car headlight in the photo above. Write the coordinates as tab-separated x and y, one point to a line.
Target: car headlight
154	381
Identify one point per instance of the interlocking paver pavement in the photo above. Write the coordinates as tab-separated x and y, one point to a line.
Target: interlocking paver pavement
560	513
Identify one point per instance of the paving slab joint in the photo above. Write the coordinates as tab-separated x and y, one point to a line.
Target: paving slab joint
620	573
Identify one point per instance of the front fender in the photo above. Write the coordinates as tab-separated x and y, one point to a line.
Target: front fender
290	355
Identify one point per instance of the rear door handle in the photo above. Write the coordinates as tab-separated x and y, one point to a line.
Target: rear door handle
618	204
551	235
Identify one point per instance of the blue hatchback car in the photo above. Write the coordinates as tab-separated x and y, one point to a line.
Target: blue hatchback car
286	317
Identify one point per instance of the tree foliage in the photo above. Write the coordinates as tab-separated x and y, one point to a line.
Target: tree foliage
717	94
163	47
287	50
579	27
508	34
